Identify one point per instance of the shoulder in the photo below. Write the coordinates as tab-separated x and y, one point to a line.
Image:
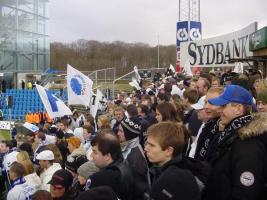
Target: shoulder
250	146
175	183
257	127
106	176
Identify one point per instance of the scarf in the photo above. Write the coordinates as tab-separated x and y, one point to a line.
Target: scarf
234	125
208	132
216	137
222	138
17	181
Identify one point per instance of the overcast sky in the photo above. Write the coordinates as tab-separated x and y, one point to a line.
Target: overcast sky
146	20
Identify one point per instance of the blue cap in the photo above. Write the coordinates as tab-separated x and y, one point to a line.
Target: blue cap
233	94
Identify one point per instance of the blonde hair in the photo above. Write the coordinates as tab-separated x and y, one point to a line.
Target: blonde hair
169	134
105	121
24	159
56	152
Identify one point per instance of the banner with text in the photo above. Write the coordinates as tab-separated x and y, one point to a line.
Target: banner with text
216	52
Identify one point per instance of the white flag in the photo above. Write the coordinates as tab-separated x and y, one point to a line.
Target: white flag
95	103
79	87
172	68
137	75
54	106
239	68
135	84
187	68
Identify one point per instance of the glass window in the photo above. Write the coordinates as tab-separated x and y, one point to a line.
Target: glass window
7	61
26	61
26	5
7	39
7	17
41	25
12	3
26	21
25	41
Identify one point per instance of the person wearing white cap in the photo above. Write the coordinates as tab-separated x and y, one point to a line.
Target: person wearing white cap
201	115
46	161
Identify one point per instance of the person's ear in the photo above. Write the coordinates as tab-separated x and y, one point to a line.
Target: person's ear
108	157
169	151
239	110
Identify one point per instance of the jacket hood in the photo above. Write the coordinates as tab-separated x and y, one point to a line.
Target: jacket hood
256	127
78	151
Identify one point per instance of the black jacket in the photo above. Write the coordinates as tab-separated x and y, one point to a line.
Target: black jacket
240	171
118	176
192	122
171	181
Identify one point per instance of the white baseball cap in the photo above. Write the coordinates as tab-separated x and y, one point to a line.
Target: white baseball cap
45	155
200	104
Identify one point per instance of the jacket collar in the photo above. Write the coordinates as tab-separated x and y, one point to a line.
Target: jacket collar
255	128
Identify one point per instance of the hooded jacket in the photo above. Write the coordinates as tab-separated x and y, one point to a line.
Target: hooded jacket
47	175
171	181
133	153
241	171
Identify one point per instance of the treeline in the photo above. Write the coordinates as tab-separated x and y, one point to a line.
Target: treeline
91	55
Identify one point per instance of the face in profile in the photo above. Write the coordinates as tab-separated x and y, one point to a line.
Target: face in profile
158	116
57	191
212	111
261	106
154	152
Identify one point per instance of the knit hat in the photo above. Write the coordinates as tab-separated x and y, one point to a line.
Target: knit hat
87	169
131	127
73	163
262	96
98	193
75	141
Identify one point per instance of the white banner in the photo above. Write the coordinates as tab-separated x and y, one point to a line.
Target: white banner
79	87
216	52
54	106
6	125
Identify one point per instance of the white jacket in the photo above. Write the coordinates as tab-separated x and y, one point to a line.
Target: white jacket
46	176
34	180
21	192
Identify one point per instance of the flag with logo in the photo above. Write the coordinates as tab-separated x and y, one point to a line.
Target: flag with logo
54	106
79	87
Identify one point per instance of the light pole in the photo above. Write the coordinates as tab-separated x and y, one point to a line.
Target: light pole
158	51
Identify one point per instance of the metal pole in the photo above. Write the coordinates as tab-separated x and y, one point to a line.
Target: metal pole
119	79
179	10
199	11
96	78
158	51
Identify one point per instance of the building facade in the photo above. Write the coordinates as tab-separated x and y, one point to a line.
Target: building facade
24	40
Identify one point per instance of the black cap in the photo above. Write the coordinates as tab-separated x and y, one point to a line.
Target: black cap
61	179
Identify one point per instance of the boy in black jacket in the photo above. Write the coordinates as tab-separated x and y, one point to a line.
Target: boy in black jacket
165	144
